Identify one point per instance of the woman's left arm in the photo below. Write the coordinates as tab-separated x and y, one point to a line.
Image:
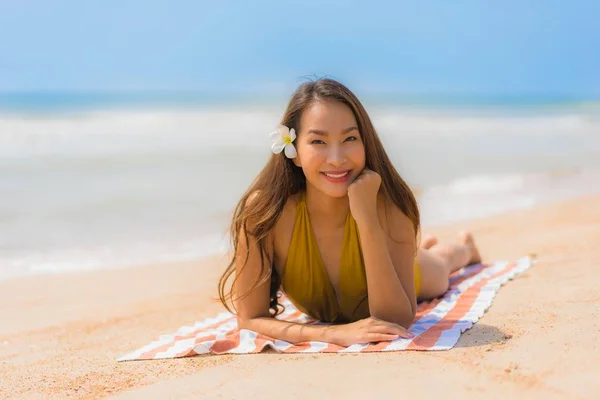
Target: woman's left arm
389	261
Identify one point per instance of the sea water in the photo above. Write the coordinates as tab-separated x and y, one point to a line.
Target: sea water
90	183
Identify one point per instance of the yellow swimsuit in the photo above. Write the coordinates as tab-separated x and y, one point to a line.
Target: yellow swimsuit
306	281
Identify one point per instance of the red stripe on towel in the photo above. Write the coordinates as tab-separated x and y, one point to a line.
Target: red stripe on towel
430	337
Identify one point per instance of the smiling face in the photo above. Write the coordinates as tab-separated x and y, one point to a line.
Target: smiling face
330	148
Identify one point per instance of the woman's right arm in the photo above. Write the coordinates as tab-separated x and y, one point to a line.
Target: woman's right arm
253	309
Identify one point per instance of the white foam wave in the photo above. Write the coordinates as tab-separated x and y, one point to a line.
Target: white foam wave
157	131
482	195
79	259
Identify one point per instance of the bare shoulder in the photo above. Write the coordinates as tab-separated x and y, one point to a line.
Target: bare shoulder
283	230
289	205
395	223
281	233
251	198
289	212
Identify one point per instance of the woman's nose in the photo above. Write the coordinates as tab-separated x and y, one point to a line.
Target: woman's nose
336	156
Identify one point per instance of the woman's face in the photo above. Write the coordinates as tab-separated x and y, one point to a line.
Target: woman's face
330	148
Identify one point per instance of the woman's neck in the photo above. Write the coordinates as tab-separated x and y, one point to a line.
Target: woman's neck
333	210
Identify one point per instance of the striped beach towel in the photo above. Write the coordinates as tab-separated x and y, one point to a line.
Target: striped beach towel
438	323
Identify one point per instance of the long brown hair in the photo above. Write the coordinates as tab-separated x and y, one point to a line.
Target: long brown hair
280	179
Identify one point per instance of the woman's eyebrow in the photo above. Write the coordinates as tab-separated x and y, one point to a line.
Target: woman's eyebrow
324	133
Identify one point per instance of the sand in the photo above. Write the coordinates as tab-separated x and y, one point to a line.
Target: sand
60	335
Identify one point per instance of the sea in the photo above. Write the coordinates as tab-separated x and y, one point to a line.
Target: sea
91	181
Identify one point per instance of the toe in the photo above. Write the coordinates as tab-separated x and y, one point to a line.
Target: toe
428	242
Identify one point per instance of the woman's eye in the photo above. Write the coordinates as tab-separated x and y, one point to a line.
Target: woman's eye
350	138
317	141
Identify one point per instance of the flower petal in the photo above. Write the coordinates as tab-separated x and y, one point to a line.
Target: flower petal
277	147
283	130
292	134
275	136
290	151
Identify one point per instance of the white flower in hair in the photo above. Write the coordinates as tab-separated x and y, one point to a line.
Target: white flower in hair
282	140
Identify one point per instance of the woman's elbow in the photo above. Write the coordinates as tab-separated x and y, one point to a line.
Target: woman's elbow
243	322
404	318
248	321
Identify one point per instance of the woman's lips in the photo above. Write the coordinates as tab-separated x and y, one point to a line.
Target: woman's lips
337	176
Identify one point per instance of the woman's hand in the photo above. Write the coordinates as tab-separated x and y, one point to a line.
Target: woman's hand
362	194
367	330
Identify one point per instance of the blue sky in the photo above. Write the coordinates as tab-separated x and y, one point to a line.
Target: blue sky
481	47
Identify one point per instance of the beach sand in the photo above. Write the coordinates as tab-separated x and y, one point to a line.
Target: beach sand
60	335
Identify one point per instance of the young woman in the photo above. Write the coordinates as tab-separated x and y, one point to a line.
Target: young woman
331	223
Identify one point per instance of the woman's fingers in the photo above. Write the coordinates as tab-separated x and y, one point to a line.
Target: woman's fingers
381	337
391	329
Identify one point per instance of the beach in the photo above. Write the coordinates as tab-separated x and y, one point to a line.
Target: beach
61	334
130	135
113	231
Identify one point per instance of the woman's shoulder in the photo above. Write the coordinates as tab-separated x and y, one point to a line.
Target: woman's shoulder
283	230
288	214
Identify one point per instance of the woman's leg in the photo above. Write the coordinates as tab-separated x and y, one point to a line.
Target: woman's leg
437	261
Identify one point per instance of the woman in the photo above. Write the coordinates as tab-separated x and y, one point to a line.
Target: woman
330	222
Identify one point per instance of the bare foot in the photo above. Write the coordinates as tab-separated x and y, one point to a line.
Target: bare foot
466	238
428	242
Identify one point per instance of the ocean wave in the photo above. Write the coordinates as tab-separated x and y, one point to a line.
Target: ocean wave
482	195
80	259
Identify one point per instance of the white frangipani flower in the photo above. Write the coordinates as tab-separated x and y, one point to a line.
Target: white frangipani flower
282	140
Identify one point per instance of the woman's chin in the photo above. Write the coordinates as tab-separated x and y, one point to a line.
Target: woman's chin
335	192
